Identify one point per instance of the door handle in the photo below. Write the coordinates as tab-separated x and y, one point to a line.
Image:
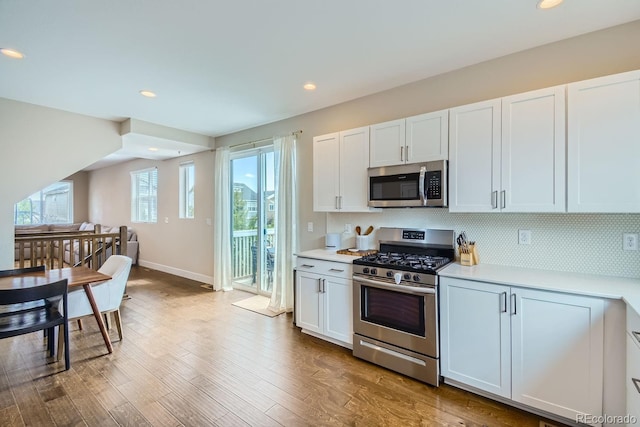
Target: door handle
514	303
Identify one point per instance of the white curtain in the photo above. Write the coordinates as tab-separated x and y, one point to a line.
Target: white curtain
286	223
222	275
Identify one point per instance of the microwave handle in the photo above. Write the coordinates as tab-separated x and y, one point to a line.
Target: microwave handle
423	196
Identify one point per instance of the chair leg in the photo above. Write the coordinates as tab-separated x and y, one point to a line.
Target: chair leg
61	330
67	360
51	341
80	324
107	323
118	320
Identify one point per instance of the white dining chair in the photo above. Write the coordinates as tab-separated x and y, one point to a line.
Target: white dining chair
108	295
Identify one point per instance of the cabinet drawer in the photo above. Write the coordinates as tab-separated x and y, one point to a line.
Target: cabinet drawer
326	268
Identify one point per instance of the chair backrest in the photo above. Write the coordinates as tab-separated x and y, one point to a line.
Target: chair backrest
17	271
30	309
118	267
35	293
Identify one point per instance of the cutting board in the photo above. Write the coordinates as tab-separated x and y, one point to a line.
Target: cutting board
353	252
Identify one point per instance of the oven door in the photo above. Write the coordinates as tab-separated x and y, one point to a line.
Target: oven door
404	316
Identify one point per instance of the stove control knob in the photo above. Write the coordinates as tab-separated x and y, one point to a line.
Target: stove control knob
416	278
365	270
407	276
374	271
389	273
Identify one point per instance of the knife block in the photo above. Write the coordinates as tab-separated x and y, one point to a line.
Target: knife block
470	257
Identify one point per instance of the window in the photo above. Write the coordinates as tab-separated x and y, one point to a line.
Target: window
187	190
51	205
144	195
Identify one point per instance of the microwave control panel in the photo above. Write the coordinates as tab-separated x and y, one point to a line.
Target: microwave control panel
434	184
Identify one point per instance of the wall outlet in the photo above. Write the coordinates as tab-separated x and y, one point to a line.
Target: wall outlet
310	227
166	220
630	241
347	228
524	237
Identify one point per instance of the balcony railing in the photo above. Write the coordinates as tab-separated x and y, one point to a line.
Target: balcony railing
242	258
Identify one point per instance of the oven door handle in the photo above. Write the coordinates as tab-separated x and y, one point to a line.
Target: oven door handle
405	289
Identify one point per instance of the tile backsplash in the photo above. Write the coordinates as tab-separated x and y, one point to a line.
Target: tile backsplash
581	243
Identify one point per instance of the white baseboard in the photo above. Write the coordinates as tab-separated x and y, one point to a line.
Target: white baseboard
177	272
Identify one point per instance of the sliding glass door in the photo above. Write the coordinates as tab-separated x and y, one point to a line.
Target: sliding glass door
252	220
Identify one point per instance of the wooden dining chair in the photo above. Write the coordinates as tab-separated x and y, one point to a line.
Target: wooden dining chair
31	309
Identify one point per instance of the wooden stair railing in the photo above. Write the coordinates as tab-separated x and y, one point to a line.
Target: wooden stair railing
92	245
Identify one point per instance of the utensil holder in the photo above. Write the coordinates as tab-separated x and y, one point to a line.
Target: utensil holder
469	256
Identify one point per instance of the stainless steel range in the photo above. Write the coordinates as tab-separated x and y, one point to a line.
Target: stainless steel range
395	301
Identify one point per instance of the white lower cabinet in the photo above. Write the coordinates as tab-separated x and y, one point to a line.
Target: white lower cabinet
633	364
324	300
539	348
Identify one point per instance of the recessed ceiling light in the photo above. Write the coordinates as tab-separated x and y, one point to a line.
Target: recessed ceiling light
548	4
12	53
148	93
309	86
153	149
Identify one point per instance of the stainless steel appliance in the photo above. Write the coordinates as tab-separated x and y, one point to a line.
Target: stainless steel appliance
395	301
412	185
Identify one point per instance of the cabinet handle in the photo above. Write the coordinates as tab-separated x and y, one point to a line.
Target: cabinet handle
308	266
335	269
504	301
514	302
636	335
324	285
337	207
406	152
635	382
503	197
494	200
319	286
340	199
401	154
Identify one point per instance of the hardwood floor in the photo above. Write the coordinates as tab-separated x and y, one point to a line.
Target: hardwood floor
190	358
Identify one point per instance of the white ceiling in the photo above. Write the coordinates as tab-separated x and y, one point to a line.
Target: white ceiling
222	66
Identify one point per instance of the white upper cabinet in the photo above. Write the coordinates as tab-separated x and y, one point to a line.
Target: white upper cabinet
387	146
427	137
508	155
340	180
474	157
416	139
604	144
533	151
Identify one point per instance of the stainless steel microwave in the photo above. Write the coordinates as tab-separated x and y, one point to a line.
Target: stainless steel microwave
412	185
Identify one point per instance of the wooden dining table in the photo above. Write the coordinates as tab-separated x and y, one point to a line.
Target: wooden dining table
76	276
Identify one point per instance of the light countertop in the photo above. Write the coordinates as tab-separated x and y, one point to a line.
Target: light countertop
328	255
623	288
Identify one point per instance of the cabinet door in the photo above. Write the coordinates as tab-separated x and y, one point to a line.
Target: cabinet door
474	157
309	309
604	144
632	377
474	325
427	137
354	179
533	151
387	144
557	352
338	318
326	172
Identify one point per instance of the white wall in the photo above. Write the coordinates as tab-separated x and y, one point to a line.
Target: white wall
40	146
180	246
